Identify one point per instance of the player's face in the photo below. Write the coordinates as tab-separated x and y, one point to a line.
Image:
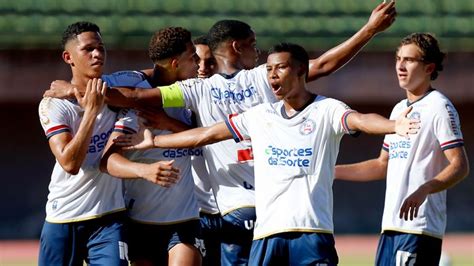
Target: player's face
207	63
412	72
86	54
282	73
249	52
187	63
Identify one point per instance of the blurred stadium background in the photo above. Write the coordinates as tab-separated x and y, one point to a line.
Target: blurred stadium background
30	58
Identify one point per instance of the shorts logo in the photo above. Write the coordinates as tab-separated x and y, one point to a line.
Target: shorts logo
307	127
199	244
405	258
123	250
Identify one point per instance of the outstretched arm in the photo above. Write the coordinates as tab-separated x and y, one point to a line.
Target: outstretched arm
381	18
369	170
457	169
377	124
116	164
186	139
118	96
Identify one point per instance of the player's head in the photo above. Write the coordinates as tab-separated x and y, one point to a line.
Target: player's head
287	68
237	38
207	62
173	49
418	57
84	50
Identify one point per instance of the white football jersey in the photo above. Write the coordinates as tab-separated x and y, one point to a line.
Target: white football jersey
90	193
148	202
294	164
203	190
230	164
417	160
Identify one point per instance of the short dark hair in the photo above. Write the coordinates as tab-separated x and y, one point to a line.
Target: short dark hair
77	28
227	29
296	51
168	42
201	40
428	44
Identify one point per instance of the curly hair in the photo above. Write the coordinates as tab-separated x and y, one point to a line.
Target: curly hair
77	28
429	47
168	42
225	30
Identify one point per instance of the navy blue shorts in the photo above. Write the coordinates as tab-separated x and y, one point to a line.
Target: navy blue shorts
294	248
237	236
152	242
211	233
396	248
100	241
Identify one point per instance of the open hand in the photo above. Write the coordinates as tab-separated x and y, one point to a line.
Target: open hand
94	97
405	126
140	141
382	17
411	205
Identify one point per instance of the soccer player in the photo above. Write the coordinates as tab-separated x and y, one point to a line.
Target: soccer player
238	86
295	145
164	227
207	62
85	209
418	170
210	217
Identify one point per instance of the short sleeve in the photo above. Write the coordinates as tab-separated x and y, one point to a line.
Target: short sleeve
237	125
447	127
339	112
54	117
127	122
124	78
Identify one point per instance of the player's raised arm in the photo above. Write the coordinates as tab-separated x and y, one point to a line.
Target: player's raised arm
125	97
70	151
187	139
381	18
377	124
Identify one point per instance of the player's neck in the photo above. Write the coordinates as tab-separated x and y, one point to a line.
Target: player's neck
162	76
227	63
80	80
294	105
415	94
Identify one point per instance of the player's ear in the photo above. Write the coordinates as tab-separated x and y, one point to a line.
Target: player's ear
174	62
236	46
301	70
430	68
67	58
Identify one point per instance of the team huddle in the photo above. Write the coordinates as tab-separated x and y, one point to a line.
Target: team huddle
208	159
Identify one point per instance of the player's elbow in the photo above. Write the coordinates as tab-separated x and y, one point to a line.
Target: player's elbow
71	168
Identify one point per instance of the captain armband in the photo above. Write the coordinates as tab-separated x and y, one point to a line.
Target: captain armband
172	96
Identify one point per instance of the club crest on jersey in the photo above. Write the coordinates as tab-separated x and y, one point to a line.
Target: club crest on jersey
415	115
307	127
